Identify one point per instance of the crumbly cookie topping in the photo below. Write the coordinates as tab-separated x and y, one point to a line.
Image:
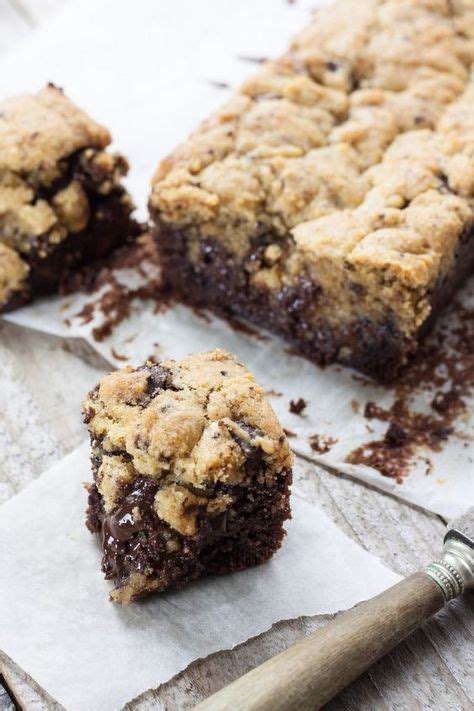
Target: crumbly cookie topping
13	272
38	132
358	142
189	426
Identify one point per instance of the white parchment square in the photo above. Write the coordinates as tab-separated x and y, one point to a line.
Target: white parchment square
56	621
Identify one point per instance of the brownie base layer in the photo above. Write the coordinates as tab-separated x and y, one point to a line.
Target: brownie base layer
219	282
245	535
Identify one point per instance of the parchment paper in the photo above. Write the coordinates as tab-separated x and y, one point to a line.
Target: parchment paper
148	71
58	625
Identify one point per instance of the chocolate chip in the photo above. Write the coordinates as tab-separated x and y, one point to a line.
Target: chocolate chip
159	379
358	289
253	454
88	414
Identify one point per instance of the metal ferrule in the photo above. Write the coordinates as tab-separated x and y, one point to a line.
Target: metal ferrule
454	571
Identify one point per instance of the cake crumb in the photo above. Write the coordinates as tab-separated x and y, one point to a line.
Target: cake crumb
321	444
297	406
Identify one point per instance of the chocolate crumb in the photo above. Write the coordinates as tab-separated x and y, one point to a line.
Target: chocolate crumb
297	406
117	356
321	444
443	401
395	436
114	300
444	365
289	433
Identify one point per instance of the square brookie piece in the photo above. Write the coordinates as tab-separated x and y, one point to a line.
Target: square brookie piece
62	203
191	473
331	199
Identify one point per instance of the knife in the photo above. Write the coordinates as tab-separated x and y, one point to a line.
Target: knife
311	672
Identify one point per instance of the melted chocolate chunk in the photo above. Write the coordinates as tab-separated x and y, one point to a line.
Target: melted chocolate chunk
253	454
159	379
124	531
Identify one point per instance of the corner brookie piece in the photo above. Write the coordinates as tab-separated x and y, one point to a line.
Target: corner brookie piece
62	203
331	199
191	473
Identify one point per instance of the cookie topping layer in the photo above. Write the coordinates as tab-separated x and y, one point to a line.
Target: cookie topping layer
192	424
38	132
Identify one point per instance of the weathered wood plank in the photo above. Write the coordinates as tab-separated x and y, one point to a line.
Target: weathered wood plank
28	694
36	427
6	704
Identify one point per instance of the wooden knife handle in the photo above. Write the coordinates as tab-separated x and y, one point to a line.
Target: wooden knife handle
312	671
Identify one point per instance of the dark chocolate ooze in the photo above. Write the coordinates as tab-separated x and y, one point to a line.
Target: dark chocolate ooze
135	540
221	282
126	530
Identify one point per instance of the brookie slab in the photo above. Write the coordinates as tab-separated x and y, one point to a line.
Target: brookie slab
191	473
62	203
331	199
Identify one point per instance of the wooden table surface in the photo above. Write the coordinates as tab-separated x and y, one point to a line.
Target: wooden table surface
432	669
